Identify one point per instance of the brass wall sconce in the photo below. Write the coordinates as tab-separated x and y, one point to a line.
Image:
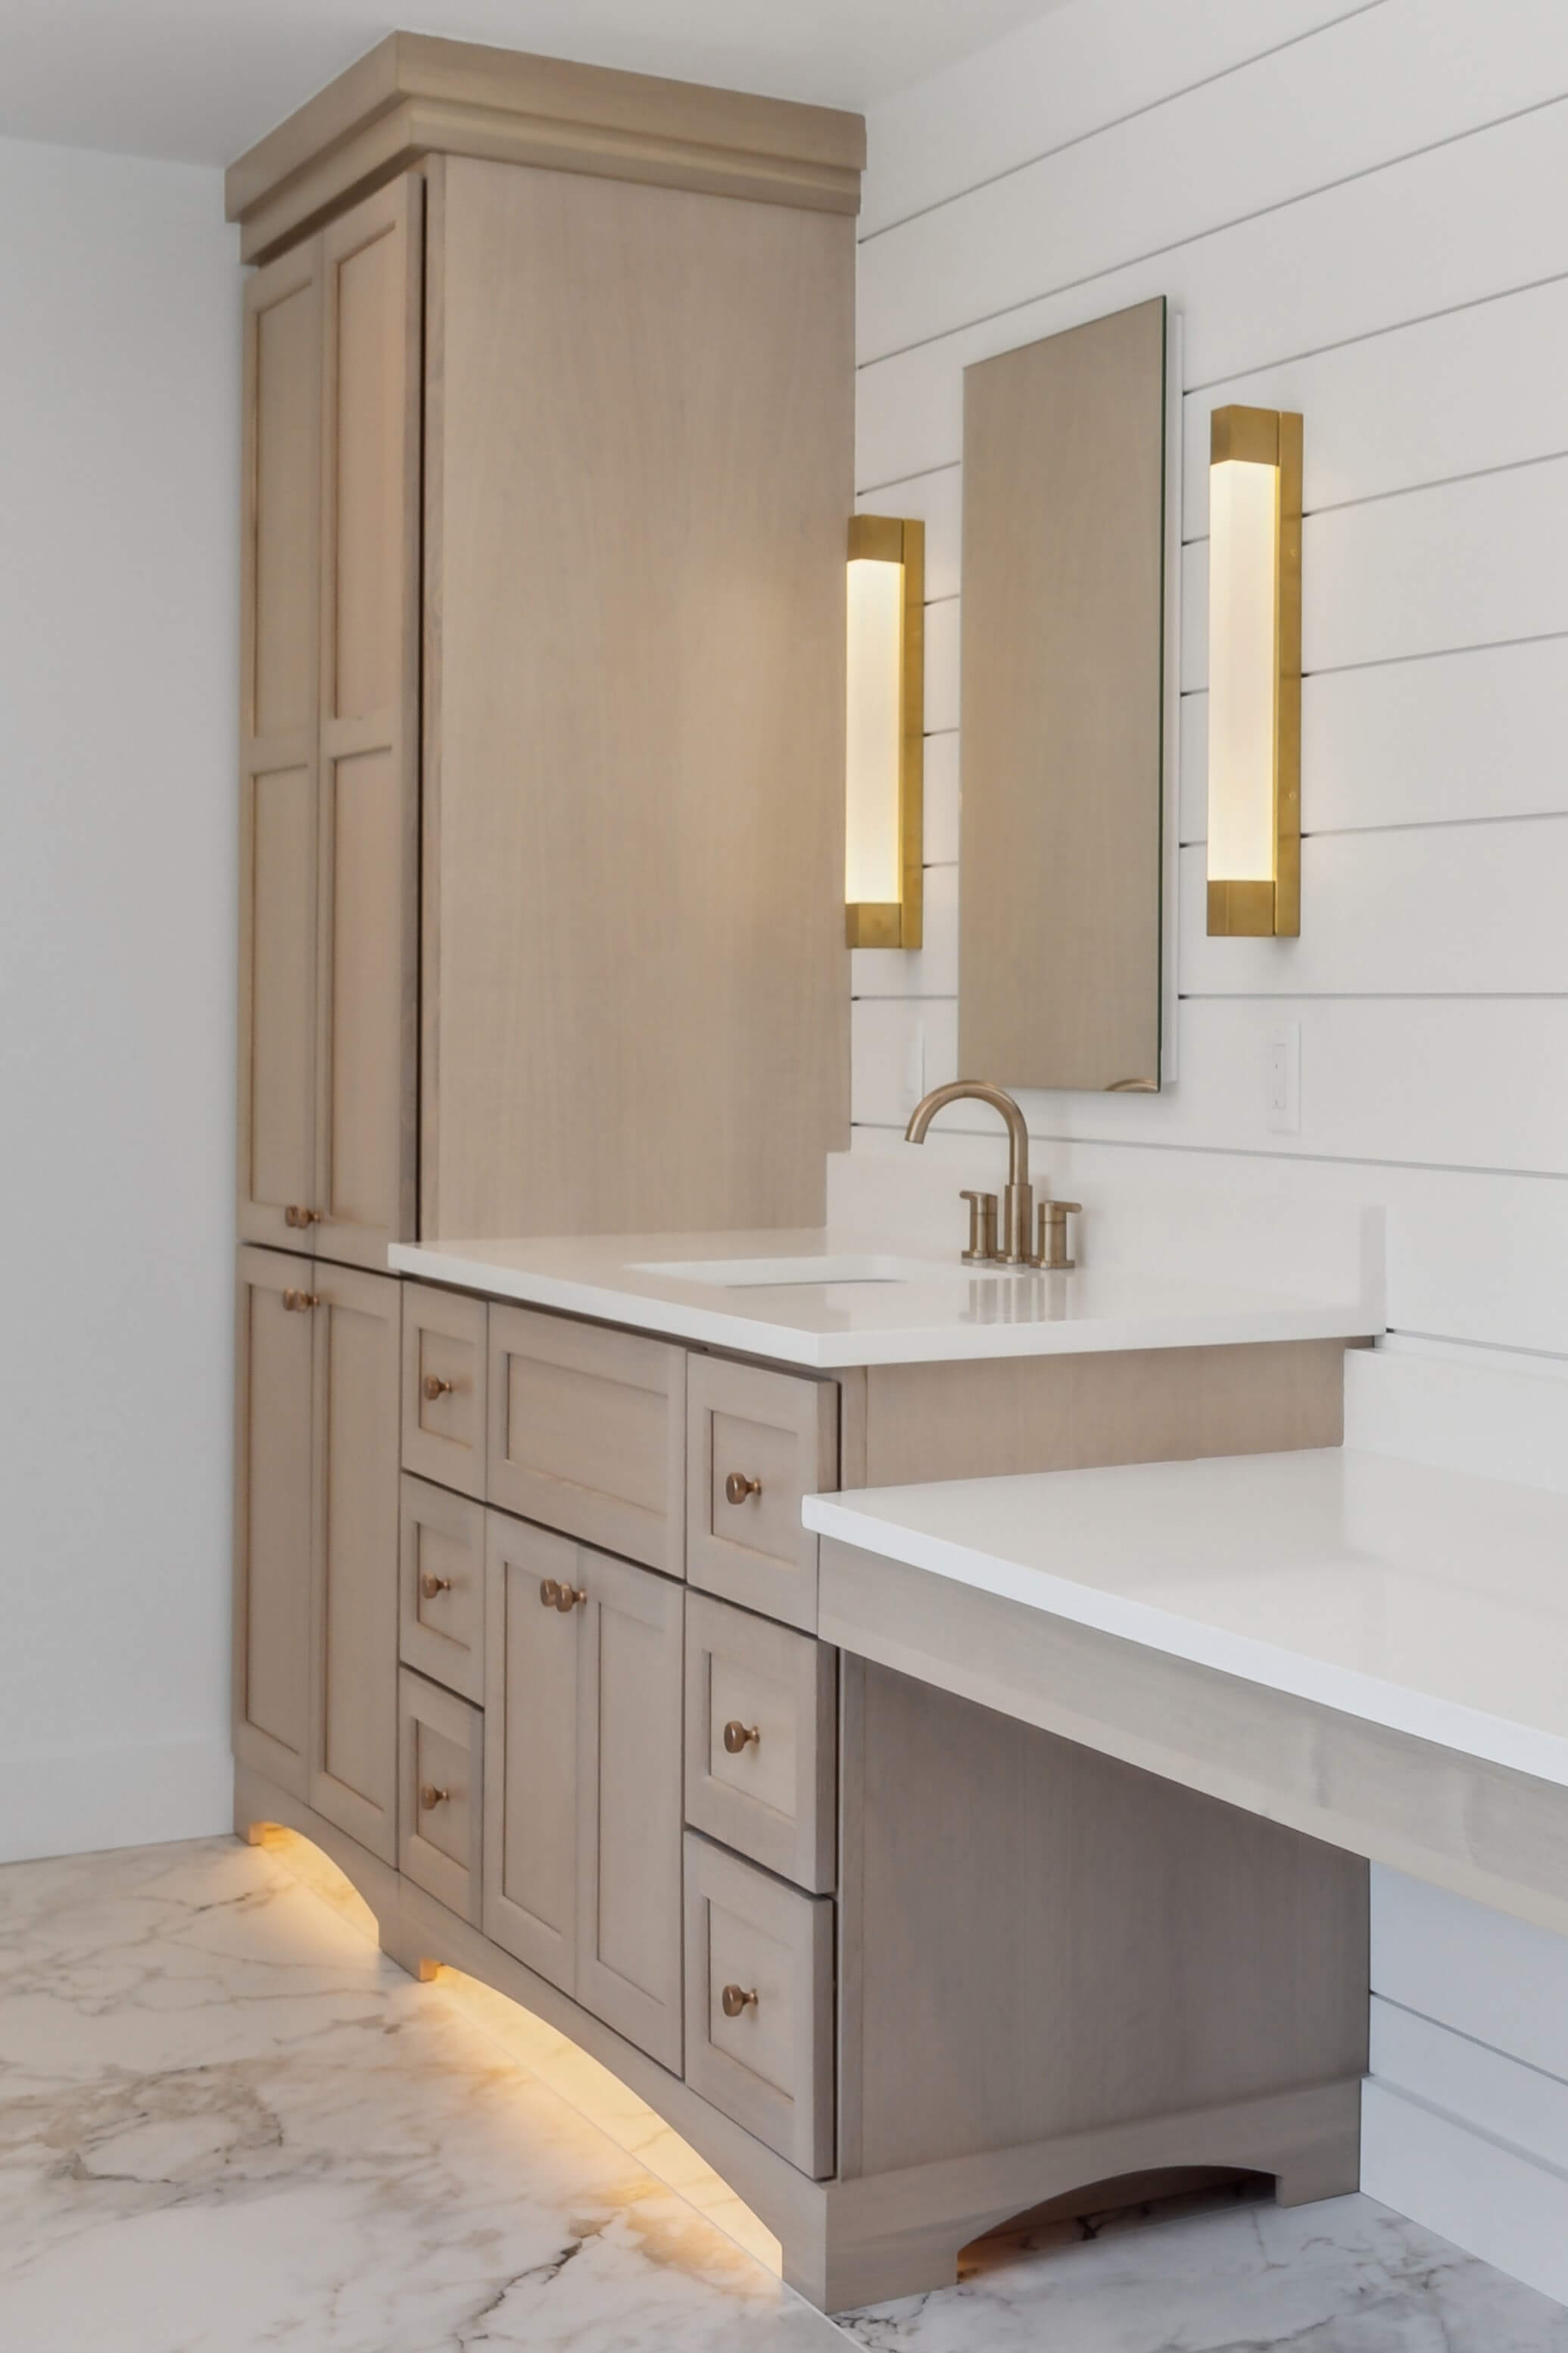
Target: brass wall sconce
884	880
1255	674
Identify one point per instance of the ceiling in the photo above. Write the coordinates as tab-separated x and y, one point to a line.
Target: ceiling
197	80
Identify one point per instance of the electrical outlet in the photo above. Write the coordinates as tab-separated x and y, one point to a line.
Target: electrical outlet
1282	1079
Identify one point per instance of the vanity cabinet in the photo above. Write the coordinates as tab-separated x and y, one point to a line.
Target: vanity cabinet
329	826
582	1845
316	1502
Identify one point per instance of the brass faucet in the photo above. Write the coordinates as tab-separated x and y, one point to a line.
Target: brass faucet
1008	1246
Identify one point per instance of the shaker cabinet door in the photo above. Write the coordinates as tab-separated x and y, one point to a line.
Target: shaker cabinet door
582	1835
629	1803
353	1779
329	781
532	1646
279	811
367	942
273	1518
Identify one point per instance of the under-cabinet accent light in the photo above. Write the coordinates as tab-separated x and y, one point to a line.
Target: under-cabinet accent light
1255	674
885	739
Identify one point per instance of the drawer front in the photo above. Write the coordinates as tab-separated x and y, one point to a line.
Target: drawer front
441	1579
770	2065
762	1740
757	1443
444	1366
441	1760
587	1433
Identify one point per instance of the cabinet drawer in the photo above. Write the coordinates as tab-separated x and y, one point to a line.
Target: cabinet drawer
770	2065
761	1726
587	1433
757	1442
441	1582
440	1748
443	1368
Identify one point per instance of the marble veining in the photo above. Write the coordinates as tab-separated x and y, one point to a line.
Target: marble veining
227	2124
1344	2276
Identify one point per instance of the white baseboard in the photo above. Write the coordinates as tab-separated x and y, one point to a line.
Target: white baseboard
1486	2196
77	1801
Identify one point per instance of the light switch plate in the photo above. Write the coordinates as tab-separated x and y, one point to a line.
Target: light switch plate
1282	1079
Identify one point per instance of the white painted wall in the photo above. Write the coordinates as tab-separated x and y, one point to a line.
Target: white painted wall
1357	212
119	455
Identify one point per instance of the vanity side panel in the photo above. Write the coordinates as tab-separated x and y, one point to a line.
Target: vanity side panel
1069	1943
998	1414
636	747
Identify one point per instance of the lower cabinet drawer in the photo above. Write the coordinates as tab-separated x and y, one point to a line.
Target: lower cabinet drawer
759	2003
441	1584
440	1748
756	1444
761	1740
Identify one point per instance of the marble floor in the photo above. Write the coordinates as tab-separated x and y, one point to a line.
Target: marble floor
227	2123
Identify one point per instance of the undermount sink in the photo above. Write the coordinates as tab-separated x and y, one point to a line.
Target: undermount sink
758	1274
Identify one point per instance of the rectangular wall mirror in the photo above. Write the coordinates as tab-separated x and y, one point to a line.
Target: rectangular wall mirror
1061	742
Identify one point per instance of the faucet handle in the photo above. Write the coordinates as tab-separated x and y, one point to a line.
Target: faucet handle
981	1227
1051	1252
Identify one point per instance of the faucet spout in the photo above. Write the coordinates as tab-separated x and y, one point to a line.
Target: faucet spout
1020	1197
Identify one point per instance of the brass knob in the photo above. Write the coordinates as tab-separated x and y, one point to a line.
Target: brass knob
297	1302
734	1999
567	1597
738	1736
430	1797
737	1487
301	1217
430	1587
549	1593
434	1386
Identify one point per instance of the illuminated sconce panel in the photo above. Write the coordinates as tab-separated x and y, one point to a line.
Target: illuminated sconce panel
885	734
1255	674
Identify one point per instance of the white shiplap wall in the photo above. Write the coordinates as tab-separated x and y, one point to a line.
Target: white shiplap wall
1358	211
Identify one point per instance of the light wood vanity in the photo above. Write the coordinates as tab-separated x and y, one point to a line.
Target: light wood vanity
549	385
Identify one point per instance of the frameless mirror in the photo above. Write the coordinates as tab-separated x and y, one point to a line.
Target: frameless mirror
1061	742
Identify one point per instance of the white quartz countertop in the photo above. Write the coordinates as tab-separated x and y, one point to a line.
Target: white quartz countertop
929	1307
1429	1601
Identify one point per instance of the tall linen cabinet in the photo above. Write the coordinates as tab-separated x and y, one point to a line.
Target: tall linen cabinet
548	430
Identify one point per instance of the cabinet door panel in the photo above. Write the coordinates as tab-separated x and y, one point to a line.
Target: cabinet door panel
531	1673
628	1805
279	816
272	1519
279	1131
372	271
354	1772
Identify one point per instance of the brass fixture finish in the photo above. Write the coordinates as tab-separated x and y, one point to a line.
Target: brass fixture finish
1012	1247
429	1586
300	1219
299	1302
434	1386
548	1594
888	539
556	1595
734	1999
737	1487
981	1227
738	1736
430	1798
1051	1248
1248	909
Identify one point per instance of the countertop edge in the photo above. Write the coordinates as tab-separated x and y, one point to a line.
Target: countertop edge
1349	1690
